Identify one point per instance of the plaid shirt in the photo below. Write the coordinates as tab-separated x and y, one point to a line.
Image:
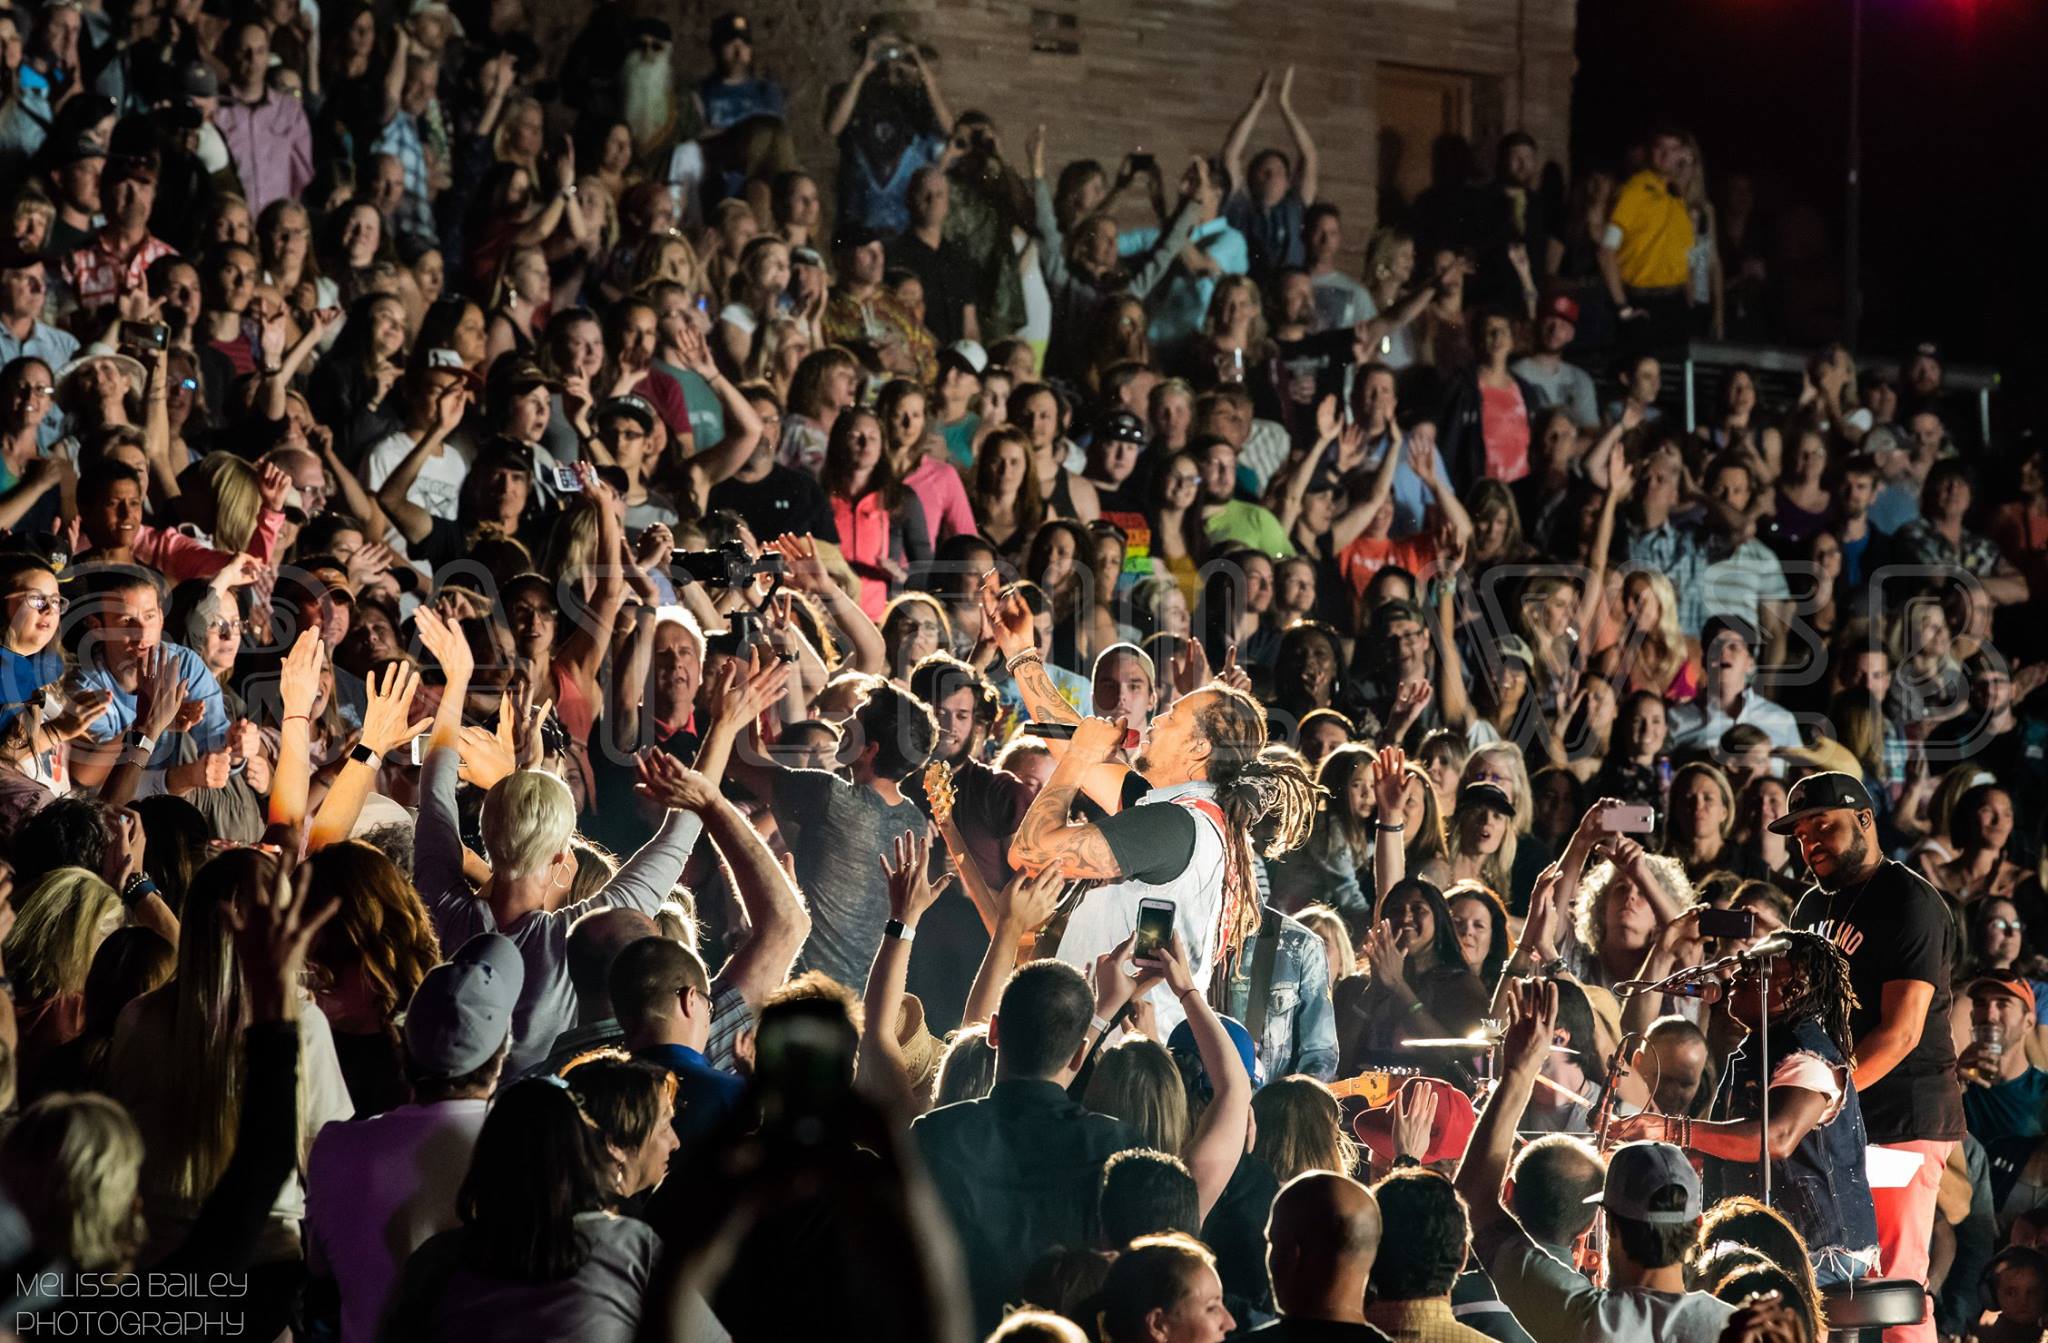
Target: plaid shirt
97	274
271	144
1675	551
1919	543
401	139
1428	1320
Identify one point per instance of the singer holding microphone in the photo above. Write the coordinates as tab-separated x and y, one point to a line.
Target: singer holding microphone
1900	941
1816	1136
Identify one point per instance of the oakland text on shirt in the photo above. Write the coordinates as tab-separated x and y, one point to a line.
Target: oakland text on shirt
1842	933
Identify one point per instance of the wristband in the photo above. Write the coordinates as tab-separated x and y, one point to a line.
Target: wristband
1182	996
899	930
135	888
1415	1007
1016	660
298	717
1396	828
1102	1025
363	753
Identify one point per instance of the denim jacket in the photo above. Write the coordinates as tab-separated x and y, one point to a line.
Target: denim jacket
1301	1025
1821	1187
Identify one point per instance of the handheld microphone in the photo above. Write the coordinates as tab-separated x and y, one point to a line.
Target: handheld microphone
1065	732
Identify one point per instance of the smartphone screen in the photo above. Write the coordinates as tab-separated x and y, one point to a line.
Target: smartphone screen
1739	924
1155	928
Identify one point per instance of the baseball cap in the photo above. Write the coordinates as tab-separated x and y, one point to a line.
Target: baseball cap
1563	307
1484	793
511	376
632	407
1182	1041
193	79
321	574
1637	1172
1120	426
76	149
726	27
1393	609
1144	659
1832	790
853	236
1515	646
2015	988
453	363
971	351
462	1011
1448	1133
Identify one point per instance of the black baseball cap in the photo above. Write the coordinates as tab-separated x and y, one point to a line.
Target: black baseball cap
1121	426
1724	623
854	236
726	27
1485	793
1830	791
635	408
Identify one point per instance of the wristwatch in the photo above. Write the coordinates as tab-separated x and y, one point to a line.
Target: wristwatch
899	930
138	740
363	753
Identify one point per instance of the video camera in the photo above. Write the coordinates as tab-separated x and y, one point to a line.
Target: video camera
725	567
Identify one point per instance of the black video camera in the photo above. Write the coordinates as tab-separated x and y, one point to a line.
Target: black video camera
725	567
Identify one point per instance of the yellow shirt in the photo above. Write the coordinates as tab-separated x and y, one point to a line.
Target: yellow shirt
1656	233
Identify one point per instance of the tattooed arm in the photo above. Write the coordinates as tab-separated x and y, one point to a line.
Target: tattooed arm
1045	838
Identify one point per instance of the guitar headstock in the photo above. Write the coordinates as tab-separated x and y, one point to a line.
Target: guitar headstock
938	790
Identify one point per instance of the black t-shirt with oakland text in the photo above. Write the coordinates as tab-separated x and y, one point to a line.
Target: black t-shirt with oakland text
1896	926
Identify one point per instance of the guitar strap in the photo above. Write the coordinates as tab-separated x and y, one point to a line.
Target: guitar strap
1260	992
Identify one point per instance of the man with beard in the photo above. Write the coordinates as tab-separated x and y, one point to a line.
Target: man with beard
647	100
114	260
1900	941
73	178
987	806
887	129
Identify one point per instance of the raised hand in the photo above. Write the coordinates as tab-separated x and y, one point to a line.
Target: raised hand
1189	667
1351	452
801	564
1114	988
83	708
370	563
1410	699
1028	901
908	872
159	693
1034	149
694	352
1329	418
486	755
274	928
1005	617
445	641
273	485
299	680
1532	1024
1390	785
387	716
1414	1120
1170	962
670	782
1383	953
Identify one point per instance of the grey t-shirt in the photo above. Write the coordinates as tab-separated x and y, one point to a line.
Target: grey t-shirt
1556	1305
837	830
1569	386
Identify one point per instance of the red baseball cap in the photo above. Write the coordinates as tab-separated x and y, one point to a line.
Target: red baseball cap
1562	305
1448	1134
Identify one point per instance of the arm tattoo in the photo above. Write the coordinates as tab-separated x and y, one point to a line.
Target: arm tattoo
1044	838
1041	700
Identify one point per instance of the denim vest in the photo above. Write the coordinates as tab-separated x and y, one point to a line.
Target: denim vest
1821	1188
1300	1035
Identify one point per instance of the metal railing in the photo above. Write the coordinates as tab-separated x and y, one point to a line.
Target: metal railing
1781	370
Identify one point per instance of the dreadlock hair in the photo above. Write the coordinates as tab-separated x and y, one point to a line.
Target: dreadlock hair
1826	991
1250	789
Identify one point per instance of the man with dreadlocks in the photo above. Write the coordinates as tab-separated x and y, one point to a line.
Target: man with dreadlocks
1180	830
1816	1136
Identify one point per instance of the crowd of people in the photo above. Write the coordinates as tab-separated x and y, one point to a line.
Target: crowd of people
587	751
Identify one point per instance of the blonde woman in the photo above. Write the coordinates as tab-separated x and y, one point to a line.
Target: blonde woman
668	257
1234	333
780	345
1651	653
753	296
1389	266
1327	924
57	931
71	1165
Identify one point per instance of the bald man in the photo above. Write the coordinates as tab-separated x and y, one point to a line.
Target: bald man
1321	1239
595	941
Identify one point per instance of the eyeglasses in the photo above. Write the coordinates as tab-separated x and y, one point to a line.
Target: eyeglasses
225	629
2005	925
36	391
1178	478
43	601
188	384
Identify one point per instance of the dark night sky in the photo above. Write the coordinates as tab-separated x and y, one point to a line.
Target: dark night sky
1955	105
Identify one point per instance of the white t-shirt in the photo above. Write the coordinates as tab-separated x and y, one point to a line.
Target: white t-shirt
375	1191
740	317
437	488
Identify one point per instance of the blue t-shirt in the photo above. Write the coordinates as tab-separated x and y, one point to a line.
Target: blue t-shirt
704	1095
2009	1109
211	733
730	104
1272	232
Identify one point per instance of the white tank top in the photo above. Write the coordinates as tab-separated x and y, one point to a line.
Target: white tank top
1108	914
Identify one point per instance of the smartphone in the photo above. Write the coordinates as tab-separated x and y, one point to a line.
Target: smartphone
144	335
1155	928
1640	820
567	481
1739	924
419	749
1142	161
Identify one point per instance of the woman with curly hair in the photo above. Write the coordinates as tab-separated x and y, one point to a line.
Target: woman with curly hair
367	961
